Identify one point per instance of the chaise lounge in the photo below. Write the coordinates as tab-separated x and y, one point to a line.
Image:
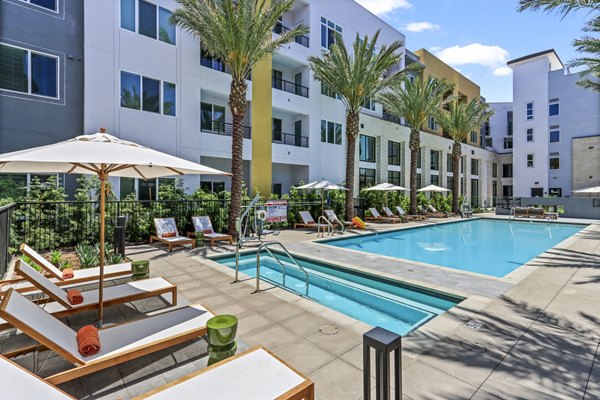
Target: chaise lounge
409	217
167	233
375	216
204	225
309	222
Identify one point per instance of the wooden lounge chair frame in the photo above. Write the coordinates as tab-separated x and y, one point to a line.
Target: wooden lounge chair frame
333	218
305	224
409	217
446	213
177	240
205	225
430	214
376	217
303	391
83	367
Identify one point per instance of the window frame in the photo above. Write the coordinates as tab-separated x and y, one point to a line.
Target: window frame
391	156
370	150
136	20
554	103
553	157
325	23
392	177
334	134
161	99
527	116
527	160
527	137
475	162
56	2
550	136
29	76
362	173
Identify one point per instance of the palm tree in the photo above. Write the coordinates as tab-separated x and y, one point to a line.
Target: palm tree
459	121
355	78
240	34
415	102
586	44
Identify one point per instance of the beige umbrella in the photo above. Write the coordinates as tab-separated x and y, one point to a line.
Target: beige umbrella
323	186
433	188
385	188
103	155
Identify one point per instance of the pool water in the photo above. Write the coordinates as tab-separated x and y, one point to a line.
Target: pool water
376	301
484	246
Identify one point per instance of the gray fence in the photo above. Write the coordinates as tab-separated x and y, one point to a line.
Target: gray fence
5	214
570	207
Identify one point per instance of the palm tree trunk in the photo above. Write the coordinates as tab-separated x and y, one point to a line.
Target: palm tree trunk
456	154
237	105
352	119
415	147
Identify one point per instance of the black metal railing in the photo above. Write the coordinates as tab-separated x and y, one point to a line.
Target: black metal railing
217	65
5	219
300	39
223	128
393	118
290	87
290	140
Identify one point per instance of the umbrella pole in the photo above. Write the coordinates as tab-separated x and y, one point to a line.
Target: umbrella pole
103	177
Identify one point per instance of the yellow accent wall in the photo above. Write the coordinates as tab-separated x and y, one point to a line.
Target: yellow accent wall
262	118
463	86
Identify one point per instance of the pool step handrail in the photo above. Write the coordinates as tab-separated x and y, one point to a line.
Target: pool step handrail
329	226
266	246
238	247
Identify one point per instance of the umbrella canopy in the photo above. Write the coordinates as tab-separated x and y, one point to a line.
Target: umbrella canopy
323	186
433	188
595	189
103	155
385	187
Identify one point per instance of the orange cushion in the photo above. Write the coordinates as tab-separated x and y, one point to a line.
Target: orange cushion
68	273
169	234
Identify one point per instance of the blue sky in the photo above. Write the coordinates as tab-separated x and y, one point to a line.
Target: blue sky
477	37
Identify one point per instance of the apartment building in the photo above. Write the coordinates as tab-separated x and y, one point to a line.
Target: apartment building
552	129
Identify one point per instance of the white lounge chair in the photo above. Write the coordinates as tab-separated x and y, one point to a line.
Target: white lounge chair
435	211
167	233
116	294
119	343
375	216
17	383
203	224
333	218
255	374
408	217
309	222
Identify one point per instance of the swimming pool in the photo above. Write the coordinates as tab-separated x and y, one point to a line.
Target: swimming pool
484	246
376	301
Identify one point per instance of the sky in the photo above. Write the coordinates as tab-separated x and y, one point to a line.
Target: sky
478	37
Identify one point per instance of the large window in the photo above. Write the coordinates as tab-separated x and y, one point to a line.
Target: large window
328	31
393	153
435	180
418	180
474	137
166	31
140	92
212	186
366	148
554	136
507	170
494	192
494	170
212	118
431	124
147	19
152	21
553	109
331	132
449	164
369	104
27	71
529	111
47	4
419	158
128	15
127	186
530	134
366	177
507	190
554	161
435	160
475	192
529	160
474	166
394	178
450	182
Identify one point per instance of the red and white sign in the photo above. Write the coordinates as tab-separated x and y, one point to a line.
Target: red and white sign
276	211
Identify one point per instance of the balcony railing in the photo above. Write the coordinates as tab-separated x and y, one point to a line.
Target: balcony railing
290	87
300	39
290	140
222	128
394	119
217	65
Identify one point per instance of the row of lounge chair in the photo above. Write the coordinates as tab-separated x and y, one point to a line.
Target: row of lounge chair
402	216
167	232
253	369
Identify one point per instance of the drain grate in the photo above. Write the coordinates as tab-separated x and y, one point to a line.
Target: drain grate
474	347
474	324
328	329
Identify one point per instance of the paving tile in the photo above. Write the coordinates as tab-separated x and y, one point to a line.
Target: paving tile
305	324
337	380
282	311
273	338
253	322
421	381
337	344
305	356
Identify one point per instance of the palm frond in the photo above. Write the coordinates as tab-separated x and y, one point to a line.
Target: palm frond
561	7
462	118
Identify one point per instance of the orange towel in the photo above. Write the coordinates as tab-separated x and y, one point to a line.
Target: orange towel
310	223
207	231
75	297
88	341
68	273
169	234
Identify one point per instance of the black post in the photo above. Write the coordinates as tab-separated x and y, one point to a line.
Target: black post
120	235
384	343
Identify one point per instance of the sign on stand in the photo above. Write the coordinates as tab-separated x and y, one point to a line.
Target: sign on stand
276	211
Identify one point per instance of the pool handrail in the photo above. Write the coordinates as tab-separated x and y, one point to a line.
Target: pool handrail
265	246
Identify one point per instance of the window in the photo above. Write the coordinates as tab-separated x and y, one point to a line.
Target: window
507	170
431	124
369	105
554	161
554	136
166	31
328	92
366	177
435	180
508	143
331	132
449	163
147	189
366	148
509	123
555	192
449	182
530	134
150	95
212	118
393	153
328	32
135	87
276	189
126	187
394	178
474	166
474	136
48	4
152	21
507	190
435	160
419	158
494	193
529	160
147	19
28	72
494	170
529	111
553	109
128	15
418	179
475	192
212	186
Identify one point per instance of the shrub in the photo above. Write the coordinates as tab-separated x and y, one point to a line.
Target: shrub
56	258
88	255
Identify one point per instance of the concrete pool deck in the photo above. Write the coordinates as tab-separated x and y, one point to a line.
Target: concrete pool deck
539	339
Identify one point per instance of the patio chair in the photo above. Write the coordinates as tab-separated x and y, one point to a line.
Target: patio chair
119	343
258	375
88	275
333	218
390	214
535	212
309	222
167	233
203	224
375	216
17	383
409	217
435	211
426	213
521	212
60	305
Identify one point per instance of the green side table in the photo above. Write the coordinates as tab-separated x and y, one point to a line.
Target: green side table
199	239
221	331
140	269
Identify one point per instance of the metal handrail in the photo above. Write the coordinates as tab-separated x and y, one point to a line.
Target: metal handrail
265	246
329	226
290	87
279	29
289	139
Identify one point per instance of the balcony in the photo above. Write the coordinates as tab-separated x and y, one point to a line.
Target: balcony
300	39
393	118
290	140
290	87
222	128
217	65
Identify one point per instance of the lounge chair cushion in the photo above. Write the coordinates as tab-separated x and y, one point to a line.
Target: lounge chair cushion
203	224
169	234
166	227
17	383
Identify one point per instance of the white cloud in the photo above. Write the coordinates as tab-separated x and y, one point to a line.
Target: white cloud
421	27
381	7
492	57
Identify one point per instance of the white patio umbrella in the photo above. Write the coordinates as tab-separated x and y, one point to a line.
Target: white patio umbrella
103	155
433	188
590	190
323	186
385	188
